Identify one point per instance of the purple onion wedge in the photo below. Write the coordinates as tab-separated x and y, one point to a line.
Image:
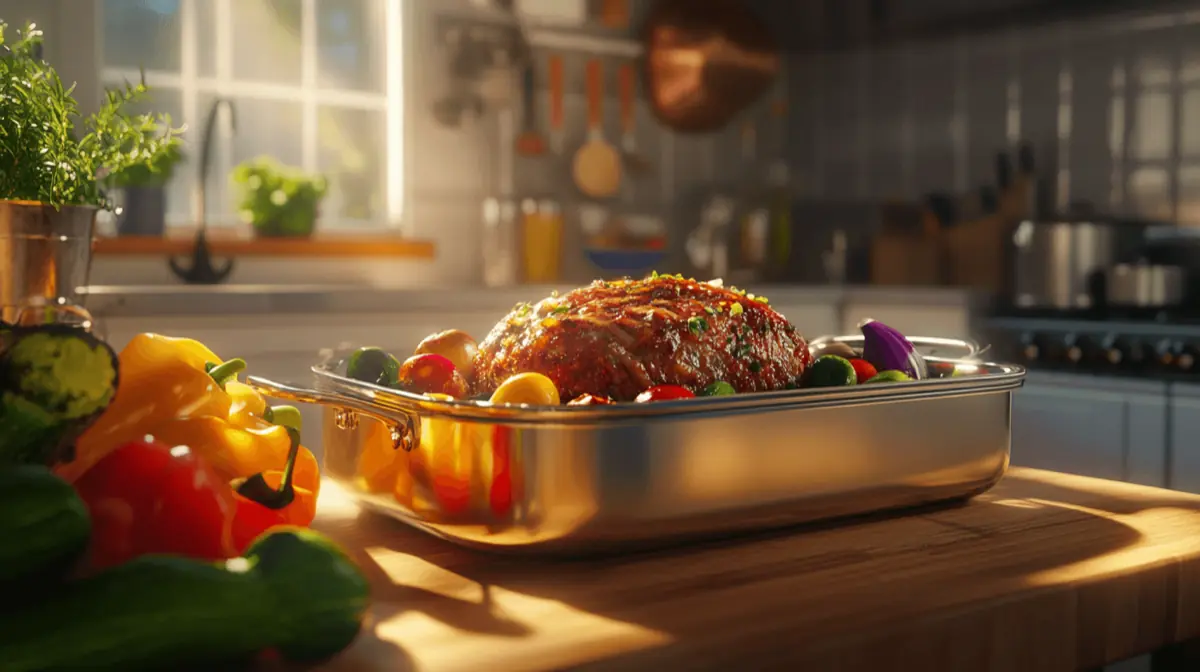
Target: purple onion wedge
888	350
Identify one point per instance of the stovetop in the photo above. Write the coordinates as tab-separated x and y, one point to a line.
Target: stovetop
1143	344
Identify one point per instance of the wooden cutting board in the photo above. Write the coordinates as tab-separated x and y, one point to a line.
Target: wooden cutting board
1047	572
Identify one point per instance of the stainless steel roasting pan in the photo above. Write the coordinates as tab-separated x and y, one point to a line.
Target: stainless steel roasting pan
578	479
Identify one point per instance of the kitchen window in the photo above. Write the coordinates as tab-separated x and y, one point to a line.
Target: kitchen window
314	83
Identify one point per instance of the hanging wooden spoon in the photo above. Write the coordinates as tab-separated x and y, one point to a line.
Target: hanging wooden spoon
597	165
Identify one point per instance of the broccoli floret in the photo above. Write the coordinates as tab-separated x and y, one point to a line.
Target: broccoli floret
54	381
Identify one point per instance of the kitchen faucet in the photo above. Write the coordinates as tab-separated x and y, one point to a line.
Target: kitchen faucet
202	270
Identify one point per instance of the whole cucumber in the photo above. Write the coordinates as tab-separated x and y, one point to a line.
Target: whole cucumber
151	613
294	591
44	526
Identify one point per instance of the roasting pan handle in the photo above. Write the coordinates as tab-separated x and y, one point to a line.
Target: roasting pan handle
963	348
405	428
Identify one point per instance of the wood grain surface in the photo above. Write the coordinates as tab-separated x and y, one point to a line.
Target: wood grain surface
1047	572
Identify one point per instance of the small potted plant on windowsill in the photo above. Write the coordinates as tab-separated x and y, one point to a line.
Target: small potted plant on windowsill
143	209
278	201
52	164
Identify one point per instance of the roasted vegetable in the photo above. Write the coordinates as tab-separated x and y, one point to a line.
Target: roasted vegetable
718	389
530	388
373	365
890	377
664	393
888	350
432	374
830	371
590	400
863	370
55	380
454	345
44	526
294	591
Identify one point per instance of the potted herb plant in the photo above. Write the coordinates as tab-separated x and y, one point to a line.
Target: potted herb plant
52	164
278	200
144	190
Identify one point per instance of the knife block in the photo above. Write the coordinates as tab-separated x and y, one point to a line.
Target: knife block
976	253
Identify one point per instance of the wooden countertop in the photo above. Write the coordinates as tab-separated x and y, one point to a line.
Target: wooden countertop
1047	572
332	247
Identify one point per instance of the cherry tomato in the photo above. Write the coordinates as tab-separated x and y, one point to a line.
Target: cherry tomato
146	497
863	370
527	388
664	393
432	374
454	345
590	400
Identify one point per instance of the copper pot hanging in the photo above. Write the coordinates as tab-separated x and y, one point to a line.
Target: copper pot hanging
706	60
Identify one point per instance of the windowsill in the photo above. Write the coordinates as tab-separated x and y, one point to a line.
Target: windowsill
230	244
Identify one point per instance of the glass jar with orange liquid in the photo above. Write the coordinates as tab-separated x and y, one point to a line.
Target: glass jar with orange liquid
541	240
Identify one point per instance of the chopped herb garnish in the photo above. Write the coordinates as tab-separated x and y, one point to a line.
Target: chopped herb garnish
736	309
560	309
755	367
697	325
709	310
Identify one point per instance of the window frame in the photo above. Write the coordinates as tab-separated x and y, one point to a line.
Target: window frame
391	101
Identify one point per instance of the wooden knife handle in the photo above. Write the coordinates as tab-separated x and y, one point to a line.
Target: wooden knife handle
627	82
595	94
556	92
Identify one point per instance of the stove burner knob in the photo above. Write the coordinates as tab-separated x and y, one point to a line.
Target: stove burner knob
1122	352
1077	349
1187	359
1030	350
1166	352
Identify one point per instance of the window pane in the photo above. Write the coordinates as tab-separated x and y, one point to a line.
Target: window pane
350	44
1190	123
142	34
265	128
206	40
1152	126
352	152
266	40
1149	192
1189	195
169	101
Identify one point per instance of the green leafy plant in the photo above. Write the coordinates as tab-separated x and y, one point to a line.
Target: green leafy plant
49	152
278	200
153	173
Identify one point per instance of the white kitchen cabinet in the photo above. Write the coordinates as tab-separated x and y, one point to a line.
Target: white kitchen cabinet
1069	429
1184	427
1103	427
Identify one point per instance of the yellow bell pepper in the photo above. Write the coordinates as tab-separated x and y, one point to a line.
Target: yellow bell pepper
160	378
167	391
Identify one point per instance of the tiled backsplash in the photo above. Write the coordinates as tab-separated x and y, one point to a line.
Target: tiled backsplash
1112	106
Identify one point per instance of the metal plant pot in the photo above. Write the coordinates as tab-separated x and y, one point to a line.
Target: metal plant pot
45	253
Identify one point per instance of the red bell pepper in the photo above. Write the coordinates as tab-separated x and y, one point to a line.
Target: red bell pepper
146	497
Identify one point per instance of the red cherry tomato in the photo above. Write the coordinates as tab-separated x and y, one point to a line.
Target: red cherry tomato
590	400
146	497
664	393
863	370
432	374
